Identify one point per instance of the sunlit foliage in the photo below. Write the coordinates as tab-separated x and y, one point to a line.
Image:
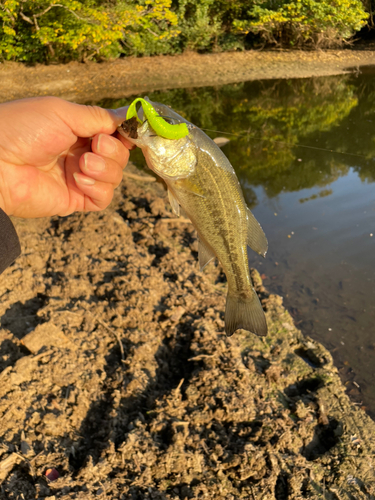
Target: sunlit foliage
63	30
304	22
40	30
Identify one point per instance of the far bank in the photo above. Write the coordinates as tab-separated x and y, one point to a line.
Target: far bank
90	82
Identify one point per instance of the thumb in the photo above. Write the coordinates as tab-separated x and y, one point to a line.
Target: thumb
87	121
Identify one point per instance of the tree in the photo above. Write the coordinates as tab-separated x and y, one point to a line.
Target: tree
40	30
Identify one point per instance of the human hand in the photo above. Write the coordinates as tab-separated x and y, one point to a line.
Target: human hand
57	157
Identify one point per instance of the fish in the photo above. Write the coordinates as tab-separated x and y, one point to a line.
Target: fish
202	183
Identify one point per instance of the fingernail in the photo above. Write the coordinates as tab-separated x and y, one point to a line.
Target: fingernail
82	179
94	162
106	144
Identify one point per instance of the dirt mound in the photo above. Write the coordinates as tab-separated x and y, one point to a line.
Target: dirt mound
118	380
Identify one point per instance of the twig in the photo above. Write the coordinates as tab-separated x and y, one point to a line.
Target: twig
152	32
144	178
66	8
252	492
104	490
43	354
113	333
180	384
177	219
201	356
36	23
25	18
110	330
9	14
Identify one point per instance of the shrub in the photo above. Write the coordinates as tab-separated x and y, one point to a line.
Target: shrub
300	23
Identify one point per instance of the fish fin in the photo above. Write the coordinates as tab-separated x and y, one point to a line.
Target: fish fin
183	213
174	203
190	187
244	313
256	239
205	254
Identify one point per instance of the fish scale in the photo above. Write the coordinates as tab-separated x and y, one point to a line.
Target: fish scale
201	181
219	208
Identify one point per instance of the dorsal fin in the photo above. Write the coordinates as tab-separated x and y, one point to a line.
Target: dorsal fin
256	239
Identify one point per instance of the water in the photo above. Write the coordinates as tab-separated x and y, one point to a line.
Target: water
304	153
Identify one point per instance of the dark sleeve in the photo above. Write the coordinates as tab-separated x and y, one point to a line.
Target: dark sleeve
9	242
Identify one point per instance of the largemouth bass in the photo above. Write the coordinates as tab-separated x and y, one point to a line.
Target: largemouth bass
203	183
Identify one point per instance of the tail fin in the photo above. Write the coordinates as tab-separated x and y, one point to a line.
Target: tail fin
244	313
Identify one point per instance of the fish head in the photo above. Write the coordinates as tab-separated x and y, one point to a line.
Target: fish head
169	158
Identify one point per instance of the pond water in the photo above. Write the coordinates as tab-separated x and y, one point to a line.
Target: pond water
304	153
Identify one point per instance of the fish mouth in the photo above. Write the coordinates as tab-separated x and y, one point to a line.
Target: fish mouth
130	127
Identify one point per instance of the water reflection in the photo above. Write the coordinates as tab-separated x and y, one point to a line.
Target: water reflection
303	151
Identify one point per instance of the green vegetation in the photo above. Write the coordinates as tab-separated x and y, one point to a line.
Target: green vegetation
43	30
313	23
47	31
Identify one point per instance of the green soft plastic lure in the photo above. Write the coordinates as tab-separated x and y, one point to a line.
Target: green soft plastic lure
160	126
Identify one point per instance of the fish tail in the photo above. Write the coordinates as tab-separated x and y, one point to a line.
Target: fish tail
246	313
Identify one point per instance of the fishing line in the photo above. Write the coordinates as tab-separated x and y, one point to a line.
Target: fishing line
284	143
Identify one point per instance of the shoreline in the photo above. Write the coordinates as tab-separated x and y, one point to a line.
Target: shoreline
90	82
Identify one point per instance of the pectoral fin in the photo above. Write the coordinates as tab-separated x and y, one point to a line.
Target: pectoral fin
256	239
205	255
174	203
190	187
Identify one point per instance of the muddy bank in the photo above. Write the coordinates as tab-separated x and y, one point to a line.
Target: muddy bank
116	373
91	82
